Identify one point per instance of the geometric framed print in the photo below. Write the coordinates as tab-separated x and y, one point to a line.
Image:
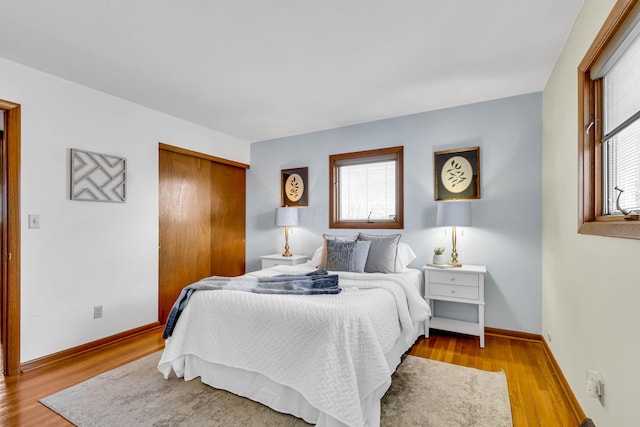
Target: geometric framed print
98	177
457	174
293	185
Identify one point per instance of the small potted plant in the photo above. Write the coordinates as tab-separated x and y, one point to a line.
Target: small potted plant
439	257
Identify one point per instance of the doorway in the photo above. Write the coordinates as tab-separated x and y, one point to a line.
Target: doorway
10	237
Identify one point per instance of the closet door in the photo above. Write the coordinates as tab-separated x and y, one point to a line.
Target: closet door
202	221
227	220
185	225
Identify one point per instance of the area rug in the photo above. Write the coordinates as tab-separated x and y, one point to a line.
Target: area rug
423	393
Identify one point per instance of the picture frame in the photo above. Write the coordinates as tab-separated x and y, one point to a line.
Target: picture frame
457	174
293	188
97	177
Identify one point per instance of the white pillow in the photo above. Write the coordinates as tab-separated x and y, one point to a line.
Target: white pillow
404	257
315	259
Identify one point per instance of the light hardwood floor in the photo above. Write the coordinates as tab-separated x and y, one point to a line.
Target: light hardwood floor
535	392
536	396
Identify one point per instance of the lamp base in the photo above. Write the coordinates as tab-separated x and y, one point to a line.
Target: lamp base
286	253
455	263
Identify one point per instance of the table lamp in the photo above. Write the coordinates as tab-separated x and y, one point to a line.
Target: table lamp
286	217
453	214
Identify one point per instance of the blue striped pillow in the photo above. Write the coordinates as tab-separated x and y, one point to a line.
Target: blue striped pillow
341	255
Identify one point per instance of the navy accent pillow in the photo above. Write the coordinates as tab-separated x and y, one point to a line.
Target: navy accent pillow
341	255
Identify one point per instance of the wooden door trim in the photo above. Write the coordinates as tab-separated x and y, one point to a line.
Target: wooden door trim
11	238
199	155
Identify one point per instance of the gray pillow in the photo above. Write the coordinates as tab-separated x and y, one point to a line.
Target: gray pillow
341	255
325	237
382	253
362	252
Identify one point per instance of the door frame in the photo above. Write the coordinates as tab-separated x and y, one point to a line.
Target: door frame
10	238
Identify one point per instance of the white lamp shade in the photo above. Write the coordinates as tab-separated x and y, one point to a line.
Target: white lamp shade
286	217
453	214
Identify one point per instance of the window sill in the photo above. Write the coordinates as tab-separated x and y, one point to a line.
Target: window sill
611	227
367	225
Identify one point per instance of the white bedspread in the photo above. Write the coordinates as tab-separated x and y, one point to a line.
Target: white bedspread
329	348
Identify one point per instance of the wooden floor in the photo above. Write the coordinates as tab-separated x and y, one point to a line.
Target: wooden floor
19	394
535	392
536	397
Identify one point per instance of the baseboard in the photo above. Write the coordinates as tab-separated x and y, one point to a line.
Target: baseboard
555	368
90	346
573	402
512	334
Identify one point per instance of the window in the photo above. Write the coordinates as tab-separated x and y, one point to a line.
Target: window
366	189
609	138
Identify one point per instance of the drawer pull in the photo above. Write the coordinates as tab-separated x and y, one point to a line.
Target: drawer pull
453	292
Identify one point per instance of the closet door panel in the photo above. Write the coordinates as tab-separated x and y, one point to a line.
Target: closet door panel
184	225
228	219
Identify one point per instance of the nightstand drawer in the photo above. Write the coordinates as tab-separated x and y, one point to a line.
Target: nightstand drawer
454	278
277	259
456	291
266	263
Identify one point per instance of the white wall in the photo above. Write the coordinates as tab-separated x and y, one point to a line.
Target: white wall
506	225
591	284
89	253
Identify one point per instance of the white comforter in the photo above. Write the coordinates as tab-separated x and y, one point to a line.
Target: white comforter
329	348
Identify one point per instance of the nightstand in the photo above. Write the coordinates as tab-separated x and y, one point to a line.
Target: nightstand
278	259
463	285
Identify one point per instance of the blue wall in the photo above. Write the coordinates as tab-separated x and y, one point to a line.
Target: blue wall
506	222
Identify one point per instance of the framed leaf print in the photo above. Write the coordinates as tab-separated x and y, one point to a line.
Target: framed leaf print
457	174
294	187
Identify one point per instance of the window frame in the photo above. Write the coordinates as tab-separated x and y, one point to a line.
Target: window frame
590	218
334	193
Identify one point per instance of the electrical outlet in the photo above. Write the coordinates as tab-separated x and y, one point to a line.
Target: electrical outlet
595	386
34	221
97	312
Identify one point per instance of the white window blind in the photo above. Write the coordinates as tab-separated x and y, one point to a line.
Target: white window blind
621	126
368	191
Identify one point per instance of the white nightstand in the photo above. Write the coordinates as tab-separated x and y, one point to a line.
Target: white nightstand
278	259
462	285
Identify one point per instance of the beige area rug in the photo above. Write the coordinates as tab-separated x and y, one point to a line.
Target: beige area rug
423	393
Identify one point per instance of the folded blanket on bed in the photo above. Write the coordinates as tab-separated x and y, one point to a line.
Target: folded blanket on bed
316	282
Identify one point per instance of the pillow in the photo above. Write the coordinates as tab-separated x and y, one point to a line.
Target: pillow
382	252
404	257
362	252
323	257
315	259
340	255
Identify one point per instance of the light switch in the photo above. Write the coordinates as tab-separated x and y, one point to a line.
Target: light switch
34	221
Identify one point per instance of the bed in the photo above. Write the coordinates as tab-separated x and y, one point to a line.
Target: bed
327	359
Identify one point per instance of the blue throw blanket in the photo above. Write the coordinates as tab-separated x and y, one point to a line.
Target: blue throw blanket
313	283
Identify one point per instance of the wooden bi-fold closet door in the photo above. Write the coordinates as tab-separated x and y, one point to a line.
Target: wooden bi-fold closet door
202	221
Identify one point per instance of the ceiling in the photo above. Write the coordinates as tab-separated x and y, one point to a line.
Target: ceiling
259	69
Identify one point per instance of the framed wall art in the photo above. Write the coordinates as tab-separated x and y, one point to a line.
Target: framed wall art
294	191
457	174
97	177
